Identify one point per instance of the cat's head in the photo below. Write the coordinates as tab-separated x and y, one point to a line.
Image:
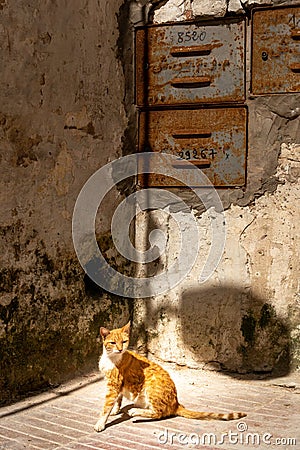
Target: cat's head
115	341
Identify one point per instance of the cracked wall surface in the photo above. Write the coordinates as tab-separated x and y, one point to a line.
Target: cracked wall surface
61	118
245	318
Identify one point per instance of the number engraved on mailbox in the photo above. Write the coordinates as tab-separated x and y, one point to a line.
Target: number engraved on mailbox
190	36
198	154
294	21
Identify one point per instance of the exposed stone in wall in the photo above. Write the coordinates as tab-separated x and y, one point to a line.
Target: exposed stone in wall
61	118
246	317
235	6
215	8
178	10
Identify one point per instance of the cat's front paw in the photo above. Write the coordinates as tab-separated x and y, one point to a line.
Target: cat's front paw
100	425
115	410
133	412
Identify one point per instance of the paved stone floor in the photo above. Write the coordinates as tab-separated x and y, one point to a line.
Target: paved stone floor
63	418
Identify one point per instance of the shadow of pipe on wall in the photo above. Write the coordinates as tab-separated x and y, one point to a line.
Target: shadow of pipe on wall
234	330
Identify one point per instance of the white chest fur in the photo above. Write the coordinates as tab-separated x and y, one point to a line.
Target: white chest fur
107	363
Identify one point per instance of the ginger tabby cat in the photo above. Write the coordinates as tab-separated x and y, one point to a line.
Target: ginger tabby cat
142	381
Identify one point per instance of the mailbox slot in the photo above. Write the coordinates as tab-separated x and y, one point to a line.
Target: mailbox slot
190	82
212	139
295	34
190	63
196	50
276	50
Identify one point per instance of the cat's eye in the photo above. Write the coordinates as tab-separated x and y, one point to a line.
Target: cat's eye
125	342
112	343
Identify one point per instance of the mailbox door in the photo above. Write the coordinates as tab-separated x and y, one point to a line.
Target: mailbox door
190	63
213	139
276	50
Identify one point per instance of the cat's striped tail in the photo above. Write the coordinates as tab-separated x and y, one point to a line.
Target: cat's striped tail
183	412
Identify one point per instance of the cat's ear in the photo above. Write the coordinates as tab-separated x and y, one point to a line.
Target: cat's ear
126	328
104	332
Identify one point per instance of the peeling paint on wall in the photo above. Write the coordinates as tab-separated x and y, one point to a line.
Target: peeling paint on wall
246	317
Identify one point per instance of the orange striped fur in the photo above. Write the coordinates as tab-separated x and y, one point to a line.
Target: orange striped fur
144	382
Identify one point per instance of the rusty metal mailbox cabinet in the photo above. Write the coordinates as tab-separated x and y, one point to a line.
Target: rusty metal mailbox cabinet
213	139
190	63
276	50
190	89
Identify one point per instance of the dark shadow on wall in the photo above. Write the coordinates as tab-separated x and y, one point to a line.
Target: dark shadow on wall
235	330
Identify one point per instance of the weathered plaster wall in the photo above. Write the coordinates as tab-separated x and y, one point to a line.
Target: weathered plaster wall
61	118
246	317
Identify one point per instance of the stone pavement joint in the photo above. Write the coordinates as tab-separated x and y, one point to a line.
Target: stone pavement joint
63	418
